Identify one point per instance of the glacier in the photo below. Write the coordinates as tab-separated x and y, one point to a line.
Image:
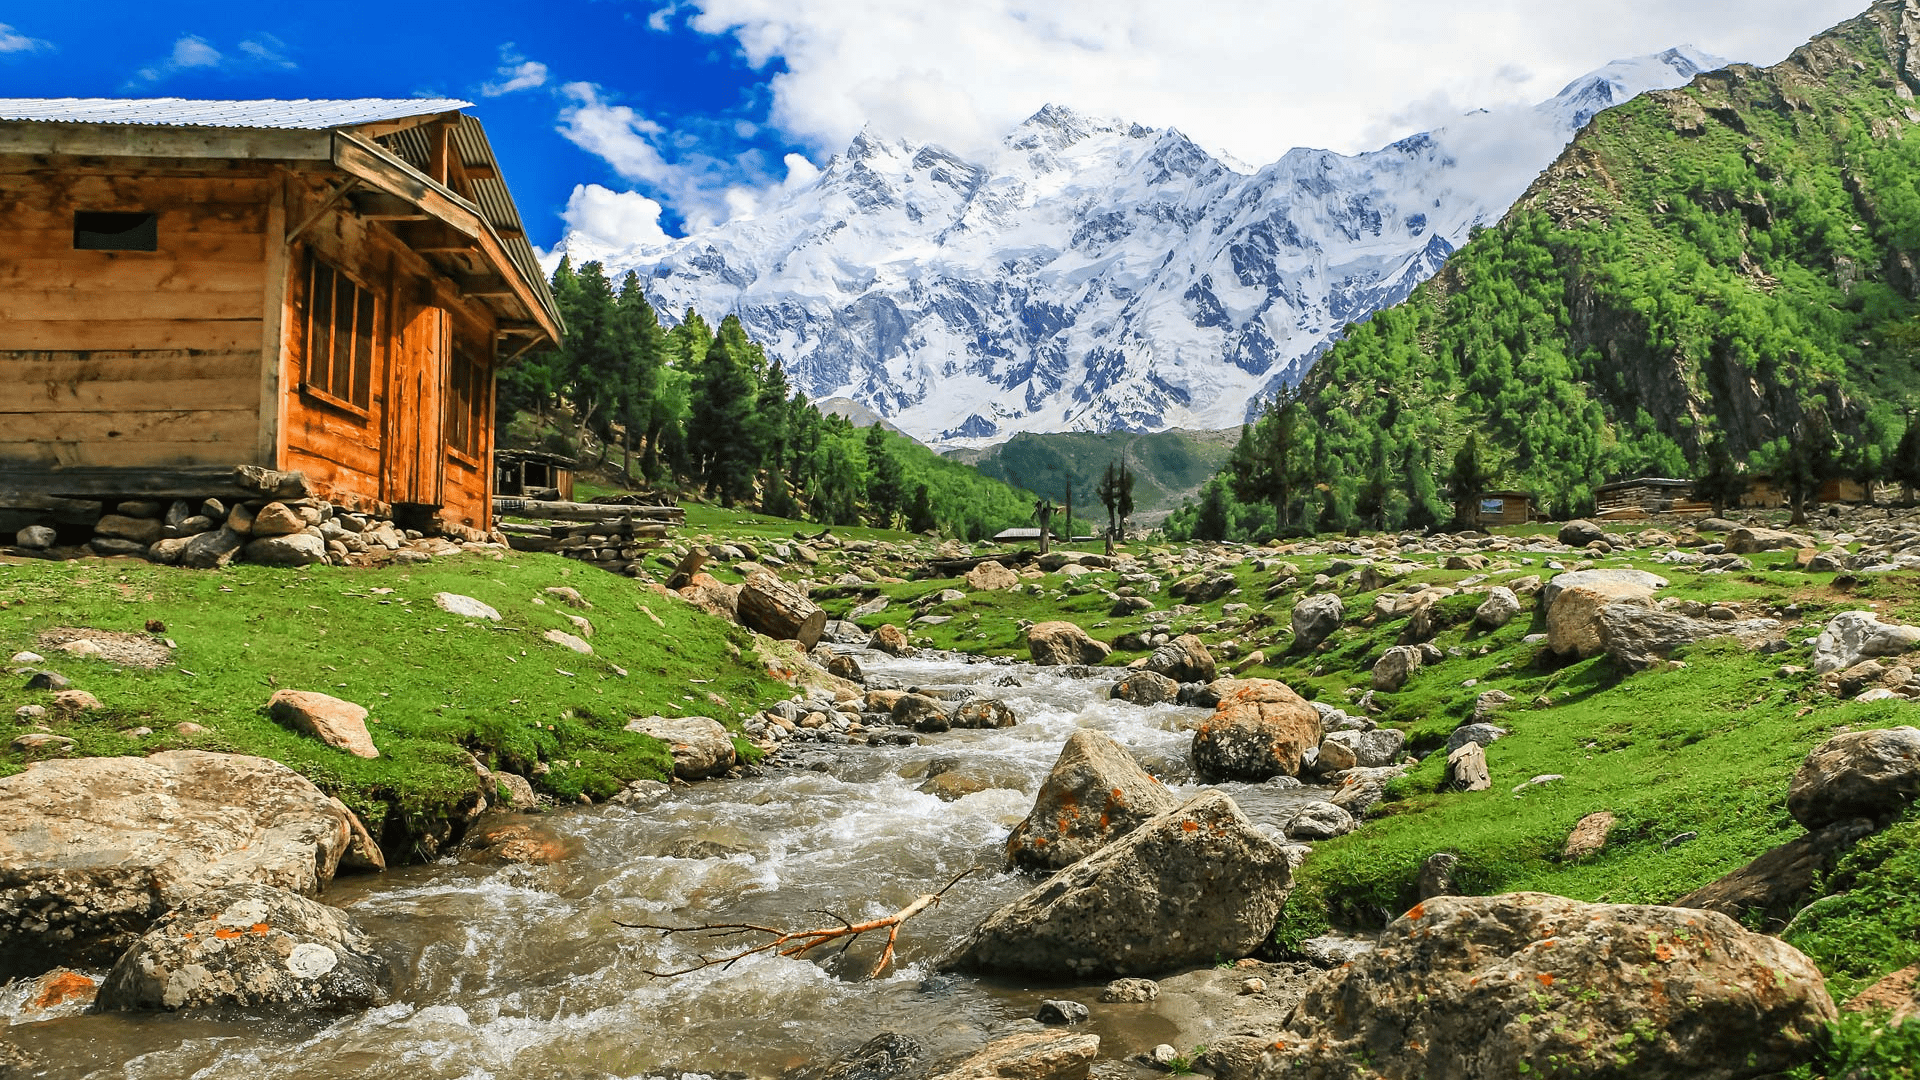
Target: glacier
1090	274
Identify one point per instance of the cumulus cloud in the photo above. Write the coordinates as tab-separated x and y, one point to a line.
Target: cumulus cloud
1252	77
13	41
614	218
262	52
516	73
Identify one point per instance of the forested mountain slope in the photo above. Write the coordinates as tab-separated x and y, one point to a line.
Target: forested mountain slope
1740	256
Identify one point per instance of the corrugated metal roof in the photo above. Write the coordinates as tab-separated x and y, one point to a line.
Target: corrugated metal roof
298	114
490	192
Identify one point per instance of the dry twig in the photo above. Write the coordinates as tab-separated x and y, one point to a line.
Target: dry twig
800	942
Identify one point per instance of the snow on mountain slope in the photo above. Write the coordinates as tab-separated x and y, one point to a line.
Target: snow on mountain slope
1096	275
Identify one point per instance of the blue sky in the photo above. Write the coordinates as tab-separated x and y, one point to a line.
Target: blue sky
647	119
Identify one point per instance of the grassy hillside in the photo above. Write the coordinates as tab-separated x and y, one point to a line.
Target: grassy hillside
438	686
1739	258
1168	466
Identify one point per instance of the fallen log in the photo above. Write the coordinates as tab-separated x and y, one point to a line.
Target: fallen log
800	942
690	565
780	611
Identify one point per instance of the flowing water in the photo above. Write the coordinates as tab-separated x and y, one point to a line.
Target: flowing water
524	971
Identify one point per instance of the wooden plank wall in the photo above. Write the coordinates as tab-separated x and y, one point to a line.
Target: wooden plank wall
131	358
396	452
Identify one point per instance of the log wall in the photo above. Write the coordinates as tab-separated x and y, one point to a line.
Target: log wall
131	358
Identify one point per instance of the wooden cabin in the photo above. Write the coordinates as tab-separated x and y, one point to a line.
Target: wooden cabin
533	474
1505	508
1645	496
314	287
1763	493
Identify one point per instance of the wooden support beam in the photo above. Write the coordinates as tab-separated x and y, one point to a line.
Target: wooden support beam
380	206
179	482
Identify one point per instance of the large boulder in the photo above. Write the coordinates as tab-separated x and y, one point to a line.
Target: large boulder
1063	644
1649	583
1471	988
1498	609
1185	659
1853	636
1573	612
249	948
211	550
1145	688
1396	666
1030	1055
340	724
891	640
701	746
1315	618
1746	541
293	549
92	850
990	576
1095	793
1782	880
1869	774
1257	732
1580	532
984	712
1190	886
1638	635
1203	587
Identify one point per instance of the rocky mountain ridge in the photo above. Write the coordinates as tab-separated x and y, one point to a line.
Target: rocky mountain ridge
1097	275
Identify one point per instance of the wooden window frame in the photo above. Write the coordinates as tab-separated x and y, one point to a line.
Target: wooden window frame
362	336
463	432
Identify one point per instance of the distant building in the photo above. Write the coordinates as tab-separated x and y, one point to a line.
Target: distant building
1506	508
194	289
533	474
1645	496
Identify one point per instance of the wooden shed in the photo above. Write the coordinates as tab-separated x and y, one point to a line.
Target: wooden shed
533	474
188	288
1505	508
1644	496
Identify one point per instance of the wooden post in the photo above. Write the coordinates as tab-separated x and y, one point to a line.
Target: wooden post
683	574
777	609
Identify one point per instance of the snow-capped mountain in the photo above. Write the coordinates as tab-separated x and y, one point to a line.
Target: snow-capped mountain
1096	275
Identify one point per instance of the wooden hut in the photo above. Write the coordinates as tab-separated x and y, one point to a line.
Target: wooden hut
533	474
1645	496
195	289
1505	508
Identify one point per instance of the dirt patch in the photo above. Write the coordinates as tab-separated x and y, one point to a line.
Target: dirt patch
116	646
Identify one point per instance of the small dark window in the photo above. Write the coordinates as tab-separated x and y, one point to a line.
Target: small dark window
338	337
97	230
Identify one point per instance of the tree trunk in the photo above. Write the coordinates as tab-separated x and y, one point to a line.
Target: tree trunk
777	609
683	574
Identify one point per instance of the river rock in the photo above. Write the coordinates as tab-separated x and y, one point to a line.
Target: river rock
1190	885
293	549
1257	732
1130	991
1145	688
844	666
142	531
1370	749
1334	756
1315	618
1853	636
1185	659
1095	793
92	850
1395	667
984	713
884	1057
1358	788
701	746
249	948
1466	988
1039	1055
1870	774
58	993
1498	609
1063	644
502	840
1319	821
211	550
340	724
891	640
277	519
1573	615
921	712
990	576
36	537
1638	635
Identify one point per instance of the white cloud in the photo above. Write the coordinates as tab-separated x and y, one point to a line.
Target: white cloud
262	52
517	73
13	41
1252	77
614	218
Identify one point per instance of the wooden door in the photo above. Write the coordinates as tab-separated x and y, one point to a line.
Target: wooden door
414	451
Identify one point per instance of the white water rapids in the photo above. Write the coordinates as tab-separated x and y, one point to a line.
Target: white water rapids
522	971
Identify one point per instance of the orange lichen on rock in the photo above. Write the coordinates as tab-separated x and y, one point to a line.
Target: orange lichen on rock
62	988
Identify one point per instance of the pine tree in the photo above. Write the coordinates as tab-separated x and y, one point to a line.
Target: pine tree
920	510
1722	483
723	416
1211	521
1905	466
1468	478
1377	488
1124	504
1108	492
1266	464
884	494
